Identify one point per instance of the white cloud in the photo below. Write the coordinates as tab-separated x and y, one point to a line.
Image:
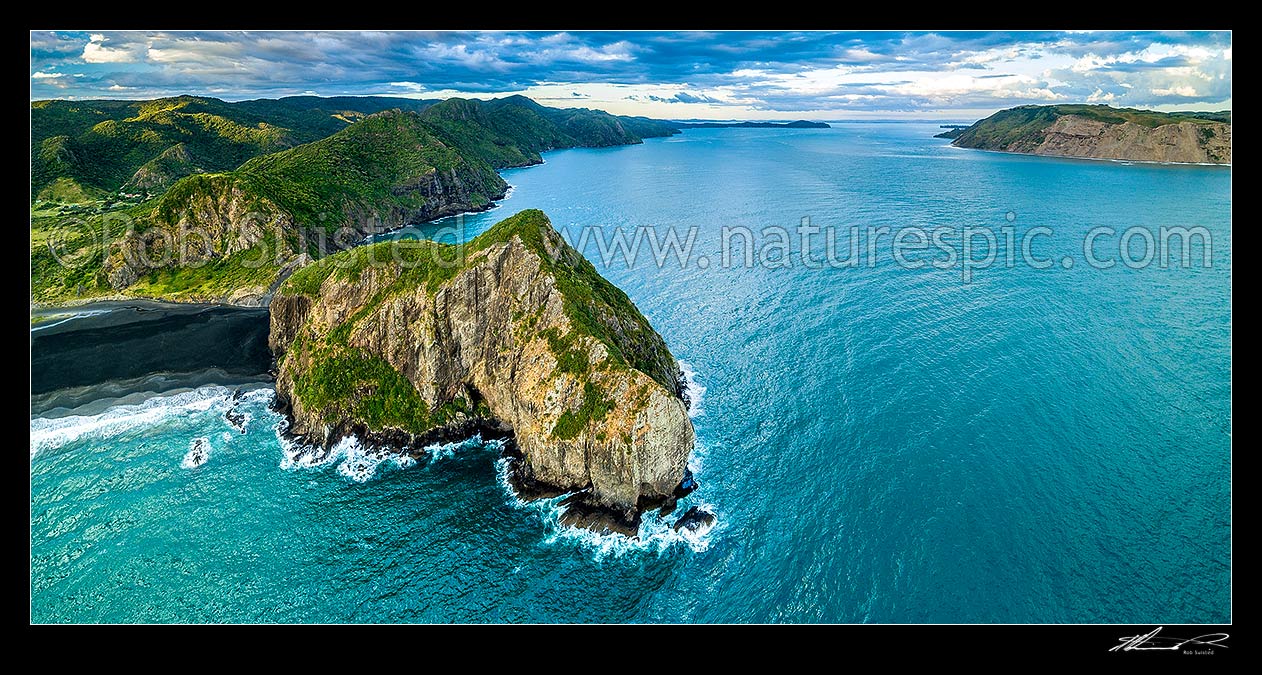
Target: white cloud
618	51
1100	96
1181	90
95	51
724	75
862	54
408	86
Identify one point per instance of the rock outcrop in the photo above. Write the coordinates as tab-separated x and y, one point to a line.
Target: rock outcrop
1189	142
1101	132
513	332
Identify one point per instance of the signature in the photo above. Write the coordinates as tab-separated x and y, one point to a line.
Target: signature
1155	642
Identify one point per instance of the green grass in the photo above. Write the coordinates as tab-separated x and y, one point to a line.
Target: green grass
103	144
595	406
1147	118
348	384
253	267
569	358
67	256
65	190
362	169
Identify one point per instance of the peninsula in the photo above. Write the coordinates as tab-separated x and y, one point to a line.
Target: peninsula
1103	132
409	343
265	185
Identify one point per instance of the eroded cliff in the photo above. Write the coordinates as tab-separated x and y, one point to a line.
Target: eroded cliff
1102	132
514	331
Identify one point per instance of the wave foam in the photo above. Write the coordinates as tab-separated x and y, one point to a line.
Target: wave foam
54	433
657	534
694	390
198	453
440	451
361	462
355	460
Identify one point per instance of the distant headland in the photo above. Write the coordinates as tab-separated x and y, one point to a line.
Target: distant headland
1103	132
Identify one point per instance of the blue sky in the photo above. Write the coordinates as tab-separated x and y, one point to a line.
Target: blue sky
680	75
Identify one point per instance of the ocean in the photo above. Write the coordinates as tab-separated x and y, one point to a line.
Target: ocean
882	442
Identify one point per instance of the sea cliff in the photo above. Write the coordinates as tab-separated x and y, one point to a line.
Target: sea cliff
514	333
1102	132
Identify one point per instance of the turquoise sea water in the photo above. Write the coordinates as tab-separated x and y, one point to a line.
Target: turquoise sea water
880	444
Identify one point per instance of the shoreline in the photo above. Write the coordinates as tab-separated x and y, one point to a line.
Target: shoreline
64	403
1151	162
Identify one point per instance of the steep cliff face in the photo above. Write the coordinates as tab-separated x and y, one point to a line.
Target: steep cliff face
215	219
1101	132
514	331
1196	142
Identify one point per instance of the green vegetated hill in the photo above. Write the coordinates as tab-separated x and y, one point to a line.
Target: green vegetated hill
1100	131
383	171
144	146
513	131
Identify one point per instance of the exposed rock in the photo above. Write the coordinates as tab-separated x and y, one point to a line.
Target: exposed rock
234	417
519	333
582	511
696	520
198	453
212	222
1074	136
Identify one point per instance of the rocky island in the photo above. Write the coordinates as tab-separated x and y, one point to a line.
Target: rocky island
1103	132
410	343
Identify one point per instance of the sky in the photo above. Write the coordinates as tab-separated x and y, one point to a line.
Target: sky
671	75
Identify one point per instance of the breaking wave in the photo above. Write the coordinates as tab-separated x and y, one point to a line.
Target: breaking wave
360	461
657	534
53	433
694	390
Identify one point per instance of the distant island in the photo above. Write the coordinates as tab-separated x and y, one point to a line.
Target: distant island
1103	132
799	124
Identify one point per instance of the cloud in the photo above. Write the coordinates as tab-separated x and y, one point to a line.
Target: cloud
728	75
96	51
1183	91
